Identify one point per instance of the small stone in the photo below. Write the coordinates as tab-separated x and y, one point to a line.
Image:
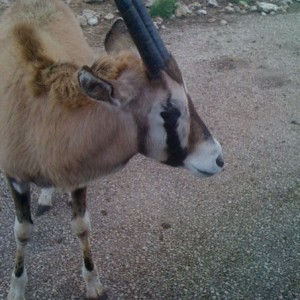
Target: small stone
272	13
267	7
195	6
163	27
88	13
237	9
159	20
149	3
109	17
223	22
253	8
213	3
182	11
243	11
244	4
156	25
93	1
93	21
202	12
263	14
229	9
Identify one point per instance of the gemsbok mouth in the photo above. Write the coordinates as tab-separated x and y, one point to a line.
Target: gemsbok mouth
203	173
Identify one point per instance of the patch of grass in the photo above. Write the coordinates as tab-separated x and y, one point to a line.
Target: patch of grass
163	8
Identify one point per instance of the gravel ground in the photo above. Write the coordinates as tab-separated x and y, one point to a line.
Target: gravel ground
159	233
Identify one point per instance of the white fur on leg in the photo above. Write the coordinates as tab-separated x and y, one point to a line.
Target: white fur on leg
94	287
45	198
17	287
23	232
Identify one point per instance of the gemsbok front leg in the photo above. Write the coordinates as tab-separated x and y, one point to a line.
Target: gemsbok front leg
22	229
81	227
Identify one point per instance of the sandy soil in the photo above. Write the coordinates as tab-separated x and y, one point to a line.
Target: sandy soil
159	233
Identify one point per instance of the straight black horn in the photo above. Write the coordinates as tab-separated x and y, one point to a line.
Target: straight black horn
142	36
142	11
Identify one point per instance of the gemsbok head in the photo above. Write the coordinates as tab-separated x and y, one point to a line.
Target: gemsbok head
67	118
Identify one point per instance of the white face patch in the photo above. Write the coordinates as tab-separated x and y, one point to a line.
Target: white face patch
180	100
160	139
157	137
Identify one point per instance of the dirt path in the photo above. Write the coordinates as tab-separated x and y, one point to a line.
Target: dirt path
159	233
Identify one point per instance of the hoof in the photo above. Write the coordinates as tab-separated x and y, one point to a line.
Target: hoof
103	296
41	209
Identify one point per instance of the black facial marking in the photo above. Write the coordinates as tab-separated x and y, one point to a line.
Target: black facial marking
176	154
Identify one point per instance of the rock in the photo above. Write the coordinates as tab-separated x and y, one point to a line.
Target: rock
267	7
149	3
195	6
223	22
244	4
88	13
237	9
182	10
93	1
272	13
213	3
229	9
82	20
263	14
243	11
109	16
159	20
253	8
163	27
93	21
202	12
156	25
285	2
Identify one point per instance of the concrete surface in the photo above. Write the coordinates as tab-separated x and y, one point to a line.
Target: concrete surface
160	233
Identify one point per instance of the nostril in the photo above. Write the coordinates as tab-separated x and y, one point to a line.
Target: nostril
220	161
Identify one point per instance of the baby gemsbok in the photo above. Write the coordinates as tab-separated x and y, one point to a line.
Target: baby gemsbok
63	124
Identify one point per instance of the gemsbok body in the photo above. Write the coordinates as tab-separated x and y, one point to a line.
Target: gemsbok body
67	117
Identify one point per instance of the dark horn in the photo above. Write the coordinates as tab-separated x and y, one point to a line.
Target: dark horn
142	11
141	37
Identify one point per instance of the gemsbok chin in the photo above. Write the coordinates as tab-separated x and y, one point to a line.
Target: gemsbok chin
67	117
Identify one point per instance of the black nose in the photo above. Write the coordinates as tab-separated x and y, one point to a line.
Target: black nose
220	161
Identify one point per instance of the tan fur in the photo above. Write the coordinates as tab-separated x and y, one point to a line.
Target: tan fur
50	132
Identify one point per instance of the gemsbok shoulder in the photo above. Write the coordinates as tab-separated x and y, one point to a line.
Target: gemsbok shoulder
67	117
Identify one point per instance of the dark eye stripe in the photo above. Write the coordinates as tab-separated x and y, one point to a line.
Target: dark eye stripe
176	154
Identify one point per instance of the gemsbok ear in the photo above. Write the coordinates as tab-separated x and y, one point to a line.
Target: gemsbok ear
95	87
118	39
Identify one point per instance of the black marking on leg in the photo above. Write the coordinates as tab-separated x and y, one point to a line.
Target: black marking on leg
176	154
41	209
88	263
22	200
79	202
19	267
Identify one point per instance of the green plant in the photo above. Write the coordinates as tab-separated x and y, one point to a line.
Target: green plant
163	8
